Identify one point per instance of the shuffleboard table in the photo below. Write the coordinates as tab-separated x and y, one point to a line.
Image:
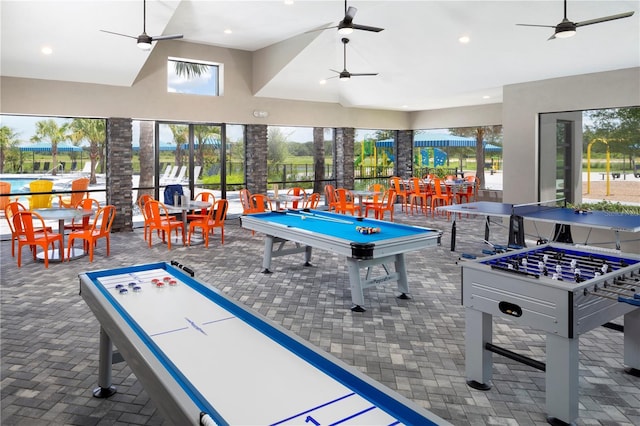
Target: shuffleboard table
206	359
345	236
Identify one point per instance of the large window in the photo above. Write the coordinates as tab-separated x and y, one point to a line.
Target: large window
194	77
590	156
374	156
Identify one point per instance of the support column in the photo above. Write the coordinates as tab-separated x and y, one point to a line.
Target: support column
404	153
344	157
256	158
120	172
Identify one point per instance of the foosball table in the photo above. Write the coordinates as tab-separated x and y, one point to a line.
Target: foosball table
560	289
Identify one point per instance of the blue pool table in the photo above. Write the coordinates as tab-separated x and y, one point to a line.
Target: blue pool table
208	360
339	234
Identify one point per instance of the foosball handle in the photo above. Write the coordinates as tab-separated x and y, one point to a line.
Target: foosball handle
635	301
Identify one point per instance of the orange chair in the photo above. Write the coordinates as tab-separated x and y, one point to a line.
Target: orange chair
260	203
416	193
439	198
345	202
386	204
5	188
330	196
373	199
84	204
401	191
469	194
101	228
40	201
81	184
9	212
28	236
160	220
215	219
312	201
296	192
245	200
206	197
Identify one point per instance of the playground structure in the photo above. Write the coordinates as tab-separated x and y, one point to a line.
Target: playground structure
607	166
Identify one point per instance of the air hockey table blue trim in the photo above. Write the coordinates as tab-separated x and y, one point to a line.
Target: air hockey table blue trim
365	389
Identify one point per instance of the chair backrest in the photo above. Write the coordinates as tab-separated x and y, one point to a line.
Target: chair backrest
41	200
343	196
297	192
221	206
23	222
167	171
397	185
377	187
154	211
103	220
437	186
80	184
312	201
388	199
170	191
329	194
5	188
245	200
10	211
260	203
196	172
207	197
415	185
183	171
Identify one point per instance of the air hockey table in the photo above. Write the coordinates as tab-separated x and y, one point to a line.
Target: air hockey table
345	236
206	359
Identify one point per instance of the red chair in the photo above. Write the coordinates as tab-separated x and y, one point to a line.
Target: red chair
160	220
215	219
401	191
260	203
330	196
28	236
345	202
100	228
206	197
10	210
296	192
83	224
470	190
416	193
385	205
312	201
439	198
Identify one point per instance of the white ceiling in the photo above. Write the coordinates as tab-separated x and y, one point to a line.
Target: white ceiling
420	62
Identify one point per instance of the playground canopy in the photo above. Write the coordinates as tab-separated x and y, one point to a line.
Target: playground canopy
440	140
46	147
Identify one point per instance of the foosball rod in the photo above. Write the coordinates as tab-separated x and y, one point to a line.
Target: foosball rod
635	301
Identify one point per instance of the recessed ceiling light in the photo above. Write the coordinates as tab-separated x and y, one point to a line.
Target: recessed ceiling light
228	31
323	81
486	97
288	1
464	39
46	50
405	106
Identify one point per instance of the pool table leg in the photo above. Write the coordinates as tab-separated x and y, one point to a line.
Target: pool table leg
266	260
105	388
401	270
357	293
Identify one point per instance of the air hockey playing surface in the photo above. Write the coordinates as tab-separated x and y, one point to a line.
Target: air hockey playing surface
235	366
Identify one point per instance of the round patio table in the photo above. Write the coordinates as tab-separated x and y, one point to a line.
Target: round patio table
62	214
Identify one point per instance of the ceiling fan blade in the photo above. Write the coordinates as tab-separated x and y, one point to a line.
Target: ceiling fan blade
167	37
337	72
367	28
118	34
363	74
604	19
535	25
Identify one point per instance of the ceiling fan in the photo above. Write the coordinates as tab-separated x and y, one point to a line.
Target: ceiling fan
144	40
346	26
344	74
567	28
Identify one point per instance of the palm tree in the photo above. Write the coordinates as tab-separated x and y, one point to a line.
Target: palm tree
93	131
180	137
8	139
51	131
205	136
